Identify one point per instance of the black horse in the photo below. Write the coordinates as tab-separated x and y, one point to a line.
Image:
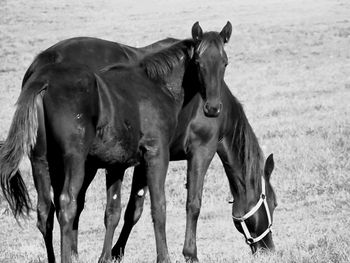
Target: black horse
97	53
75	121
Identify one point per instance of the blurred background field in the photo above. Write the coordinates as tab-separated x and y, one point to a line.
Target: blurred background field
289	66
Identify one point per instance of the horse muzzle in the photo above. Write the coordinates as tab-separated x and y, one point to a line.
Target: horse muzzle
264	239
265	245
212	111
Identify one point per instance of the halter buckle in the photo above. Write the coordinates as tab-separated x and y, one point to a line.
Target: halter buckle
249	241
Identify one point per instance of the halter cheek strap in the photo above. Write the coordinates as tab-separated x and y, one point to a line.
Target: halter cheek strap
249	239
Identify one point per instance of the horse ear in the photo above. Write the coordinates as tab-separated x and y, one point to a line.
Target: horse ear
197	32
226	32
269	165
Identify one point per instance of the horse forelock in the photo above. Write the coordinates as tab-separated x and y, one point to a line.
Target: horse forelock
210	39
161	63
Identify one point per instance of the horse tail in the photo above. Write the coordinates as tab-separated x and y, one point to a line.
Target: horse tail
19	142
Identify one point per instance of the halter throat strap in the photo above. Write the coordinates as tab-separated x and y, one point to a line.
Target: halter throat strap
262	201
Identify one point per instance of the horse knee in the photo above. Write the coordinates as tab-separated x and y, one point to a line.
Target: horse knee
68	209
193	208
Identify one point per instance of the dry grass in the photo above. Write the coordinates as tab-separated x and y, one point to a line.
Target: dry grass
289	65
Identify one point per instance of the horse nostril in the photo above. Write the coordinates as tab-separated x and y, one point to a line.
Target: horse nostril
206	107
219	108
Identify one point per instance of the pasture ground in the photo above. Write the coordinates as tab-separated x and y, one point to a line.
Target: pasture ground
289	65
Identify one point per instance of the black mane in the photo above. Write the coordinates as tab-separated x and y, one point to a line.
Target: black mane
247	147
159	64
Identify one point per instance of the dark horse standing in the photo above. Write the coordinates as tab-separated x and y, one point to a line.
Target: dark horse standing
125	116
196	140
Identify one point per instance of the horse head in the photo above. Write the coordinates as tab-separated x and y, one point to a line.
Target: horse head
211	61
252	212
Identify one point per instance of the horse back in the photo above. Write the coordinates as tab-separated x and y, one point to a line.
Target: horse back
92	52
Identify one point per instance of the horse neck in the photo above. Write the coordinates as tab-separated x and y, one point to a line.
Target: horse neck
174	83
168	67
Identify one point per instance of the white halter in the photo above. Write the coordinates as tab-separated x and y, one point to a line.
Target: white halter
249	239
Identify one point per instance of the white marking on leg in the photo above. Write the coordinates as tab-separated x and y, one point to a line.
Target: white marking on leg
52	195
141	193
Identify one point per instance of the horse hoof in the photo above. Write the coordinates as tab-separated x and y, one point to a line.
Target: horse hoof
105	260
191	260
117	254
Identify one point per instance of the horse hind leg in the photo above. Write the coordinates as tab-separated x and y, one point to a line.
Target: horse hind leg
114	179
133	211
90	172
45	207
42	182
74	174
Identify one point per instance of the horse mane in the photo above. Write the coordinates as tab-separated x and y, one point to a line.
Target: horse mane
160	44
161	63
247	148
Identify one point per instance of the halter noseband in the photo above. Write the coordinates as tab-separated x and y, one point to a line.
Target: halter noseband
249	239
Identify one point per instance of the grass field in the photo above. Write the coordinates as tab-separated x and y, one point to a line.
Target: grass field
290	67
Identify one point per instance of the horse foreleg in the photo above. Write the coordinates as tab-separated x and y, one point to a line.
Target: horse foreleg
197	167
133	211
157	160
114	178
